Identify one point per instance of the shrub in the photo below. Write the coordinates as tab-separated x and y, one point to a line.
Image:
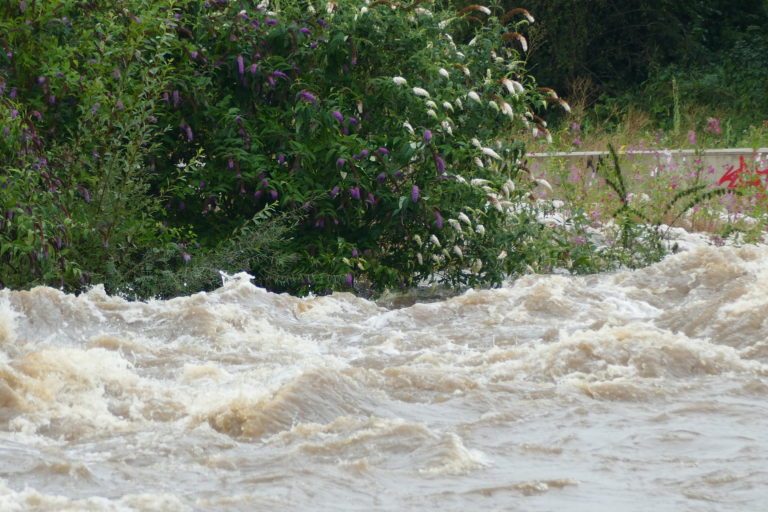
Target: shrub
156	130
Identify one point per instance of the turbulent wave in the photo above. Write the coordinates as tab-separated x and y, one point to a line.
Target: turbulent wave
595	393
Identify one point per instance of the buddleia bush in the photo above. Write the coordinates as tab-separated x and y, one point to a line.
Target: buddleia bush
77	83
148	134
395	125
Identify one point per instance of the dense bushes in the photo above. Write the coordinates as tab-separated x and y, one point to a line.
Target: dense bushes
143	136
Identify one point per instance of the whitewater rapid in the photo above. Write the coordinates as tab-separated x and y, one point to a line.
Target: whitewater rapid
633	390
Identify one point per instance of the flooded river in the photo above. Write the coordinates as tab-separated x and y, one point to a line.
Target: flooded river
631	391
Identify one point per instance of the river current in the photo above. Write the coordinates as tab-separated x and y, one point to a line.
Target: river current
633	391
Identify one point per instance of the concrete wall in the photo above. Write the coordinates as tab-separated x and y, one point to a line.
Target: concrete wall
667	159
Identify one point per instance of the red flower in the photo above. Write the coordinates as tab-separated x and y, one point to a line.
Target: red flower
738	177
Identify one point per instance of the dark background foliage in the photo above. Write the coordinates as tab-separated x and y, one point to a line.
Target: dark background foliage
717	50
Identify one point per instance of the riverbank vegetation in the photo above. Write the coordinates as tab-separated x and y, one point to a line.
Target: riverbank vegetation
150	144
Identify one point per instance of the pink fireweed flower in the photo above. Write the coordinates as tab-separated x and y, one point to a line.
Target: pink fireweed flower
713	126
692	137
415	193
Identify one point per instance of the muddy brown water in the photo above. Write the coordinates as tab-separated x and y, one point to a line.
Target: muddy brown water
641	390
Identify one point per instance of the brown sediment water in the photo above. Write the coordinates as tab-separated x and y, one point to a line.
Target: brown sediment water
636	390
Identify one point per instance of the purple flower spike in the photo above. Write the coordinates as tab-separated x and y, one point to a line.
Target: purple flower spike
176	98
355	254
190	135
271	81
271	21
335	191
281	159
415	193
14	113
348	279
193	55
438	220
41	79
383	151
382	177
427	136
305	30
364	153
308	96
352	120
240	65
254	68
273	193
186	257
116	73
338	115
313	45
340	162
280	74
440	163
355	193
